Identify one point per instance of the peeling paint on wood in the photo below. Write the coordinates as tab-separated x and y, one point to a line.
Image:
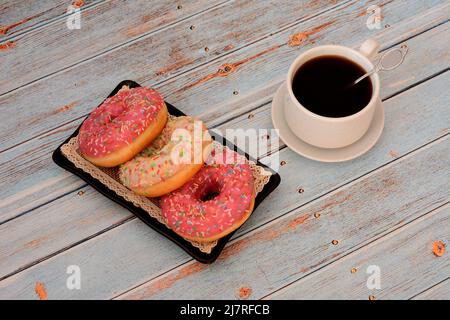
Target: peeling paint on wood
168	282
228	68
100	28
438	248
228	47
78	3
178	60
40	291
65	108
5	29
7	45
22	17
245	292
299	38
393	154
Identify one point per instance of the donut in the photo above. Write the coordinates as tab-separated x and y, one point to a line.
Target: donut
170	160
122	126
215	202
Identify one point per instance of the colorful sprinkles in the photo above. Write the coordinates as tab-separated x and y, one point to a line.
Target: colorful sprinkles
156	162
119	120
190	215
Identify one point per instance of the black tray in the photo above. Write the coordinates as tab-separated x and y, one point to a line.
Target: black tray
63	162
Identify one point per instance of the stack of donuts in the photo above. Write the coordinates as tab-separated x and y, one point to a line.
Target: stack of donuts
204	192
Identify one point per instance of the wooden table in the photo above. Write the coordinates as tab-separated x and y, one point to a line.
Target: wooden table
322	234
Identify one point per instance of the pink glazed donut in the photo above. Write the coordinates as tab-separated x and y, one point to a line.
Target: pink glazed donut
122	126
215	202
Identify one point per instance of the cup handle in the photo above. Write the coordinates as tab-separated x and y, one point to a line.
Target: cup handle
369	48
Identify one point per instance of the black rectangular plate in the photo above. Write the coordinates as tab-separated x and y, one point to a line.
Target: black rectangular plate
63	162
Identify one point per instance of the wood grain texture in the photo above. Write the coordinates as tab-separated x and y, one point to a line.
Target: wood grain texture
440	291
46	49
317	179
123	242
20	16
229	25
404	257
355	215
56	226
28	167
43	107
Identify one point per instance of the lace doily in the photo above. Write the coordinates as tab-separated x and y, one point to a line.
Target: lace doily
110	178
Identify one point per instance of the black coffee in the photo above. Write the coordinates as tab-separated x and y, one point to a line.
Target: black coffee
321	85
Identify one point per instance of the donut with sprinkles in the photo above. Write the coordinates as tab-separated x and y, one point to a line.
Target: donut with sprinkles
215	202
122	126
170	160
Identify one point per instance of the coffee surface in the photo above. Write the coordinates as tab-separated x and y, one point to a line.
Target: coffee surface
321	85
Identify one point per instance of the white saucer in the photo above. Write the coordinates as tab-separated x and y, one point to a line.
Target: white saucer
323	154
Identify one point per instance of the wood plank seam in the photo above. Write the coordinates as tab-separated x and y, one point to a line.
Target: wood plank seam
72	245
416	256
217	57
122	238
354	180
429	289
84	185
384	47
282	145
415	84
363	246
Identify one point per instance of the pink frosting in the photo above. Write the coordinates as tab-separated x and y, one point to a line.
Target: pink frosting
188	214
119	120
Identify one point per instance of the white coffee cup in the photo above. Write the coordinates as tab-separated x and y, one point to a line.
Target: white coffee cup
327	132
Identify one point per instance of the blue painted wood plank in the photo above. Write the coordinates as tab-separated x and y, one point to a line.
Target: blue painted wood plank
403	261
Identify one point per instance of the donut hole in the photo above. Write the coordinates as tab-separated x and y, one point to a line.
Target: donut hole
209	196
210	192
